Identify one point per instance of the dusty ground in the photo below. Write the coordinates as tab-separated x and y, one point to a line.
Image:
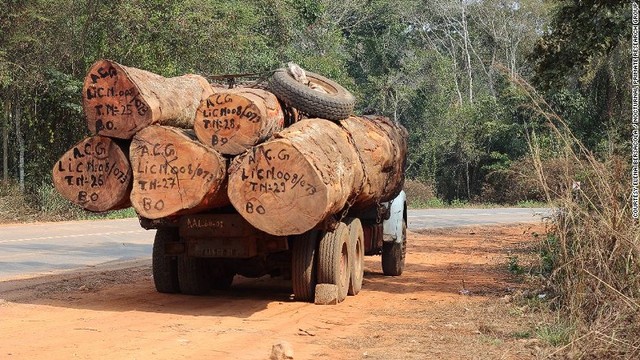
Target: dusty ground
452	302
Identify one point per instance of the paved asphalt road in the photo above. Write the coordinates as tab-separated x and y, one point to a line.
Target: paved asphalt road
43	248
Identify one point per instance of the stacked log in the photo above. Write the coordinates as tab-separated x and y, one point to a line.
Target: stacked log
118	101
382	146
232	121
163	146
174	173
95	174
314	169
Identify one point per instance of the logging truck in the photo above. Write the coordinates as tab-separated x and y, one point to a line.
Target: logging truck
254	180
195	253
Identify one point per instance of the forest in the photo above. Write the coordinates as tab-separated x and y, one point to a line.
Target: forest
504	101
440	68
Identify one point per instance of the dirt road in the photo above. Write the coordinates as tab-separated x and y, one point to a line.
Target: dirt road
452	302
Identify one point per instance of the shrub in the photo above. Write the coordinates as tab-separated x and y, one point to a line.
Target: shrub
593	251
421	195
14	205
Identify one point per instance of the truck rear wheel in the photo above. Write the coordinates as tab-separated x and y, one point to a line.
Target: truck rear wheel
303	265
334	263
394	254
356	253
165	268
193	275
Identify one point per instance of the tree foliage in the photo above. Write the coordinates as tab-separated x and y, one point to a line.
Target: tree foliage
437	67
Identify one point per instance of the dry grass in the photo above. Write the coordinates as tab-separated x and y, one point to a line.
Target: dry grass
421	194
14	205
44	203
595	243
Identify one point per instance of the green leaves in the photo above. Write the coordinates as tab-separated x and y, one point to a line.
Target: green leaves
580	32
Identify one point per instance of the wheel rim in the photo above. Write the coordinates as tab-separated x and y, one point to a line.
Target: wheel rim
324	85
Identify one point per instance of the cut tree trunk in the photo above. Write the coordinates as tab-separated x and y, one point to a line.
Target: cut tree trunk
289	185
95	174
382	145
174	174
233	120
119	101
314	169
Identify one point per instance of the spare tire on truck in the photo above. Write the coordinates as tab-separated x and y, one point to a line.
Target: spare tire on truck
334	102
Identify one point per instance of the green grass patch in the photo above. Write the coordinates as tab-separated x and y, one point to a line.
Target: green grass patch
522	334
557	334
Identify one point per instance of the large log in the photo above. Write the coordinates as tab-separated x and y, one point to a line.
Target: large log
289	185
118	100
95	174
174	174
233	120
382	145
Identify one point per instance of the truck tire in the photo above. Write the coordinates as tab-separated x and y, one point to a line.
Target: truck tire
394	254
356	254
165	268
303	265
333	259
193	275
336	104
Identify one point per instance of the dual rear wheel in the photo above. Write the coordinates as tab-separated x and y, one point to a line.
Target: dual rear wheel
334	257
185	274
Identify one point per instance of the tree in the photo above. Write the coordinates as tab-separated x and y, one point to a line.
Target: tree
577	37
585	70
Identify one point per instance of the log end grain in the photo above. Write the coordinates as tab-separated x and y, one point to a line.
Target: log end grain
233	120
112	103
174	173
276	189
94	174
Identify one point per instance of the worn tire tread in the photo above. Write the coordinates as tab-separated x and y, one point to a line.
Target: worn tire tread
164	268
356	240
303	266
329	254
192	275
316	104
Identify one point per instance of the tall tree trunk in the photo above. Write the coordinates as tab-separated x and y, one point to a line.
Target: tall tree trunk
20	141
5	140
454	63
465	35
468	181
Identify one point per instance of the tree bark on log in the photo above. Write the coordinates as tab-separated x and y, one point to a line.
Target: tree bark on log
233	120
289	185
119	101
382	145
174	174
95	174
